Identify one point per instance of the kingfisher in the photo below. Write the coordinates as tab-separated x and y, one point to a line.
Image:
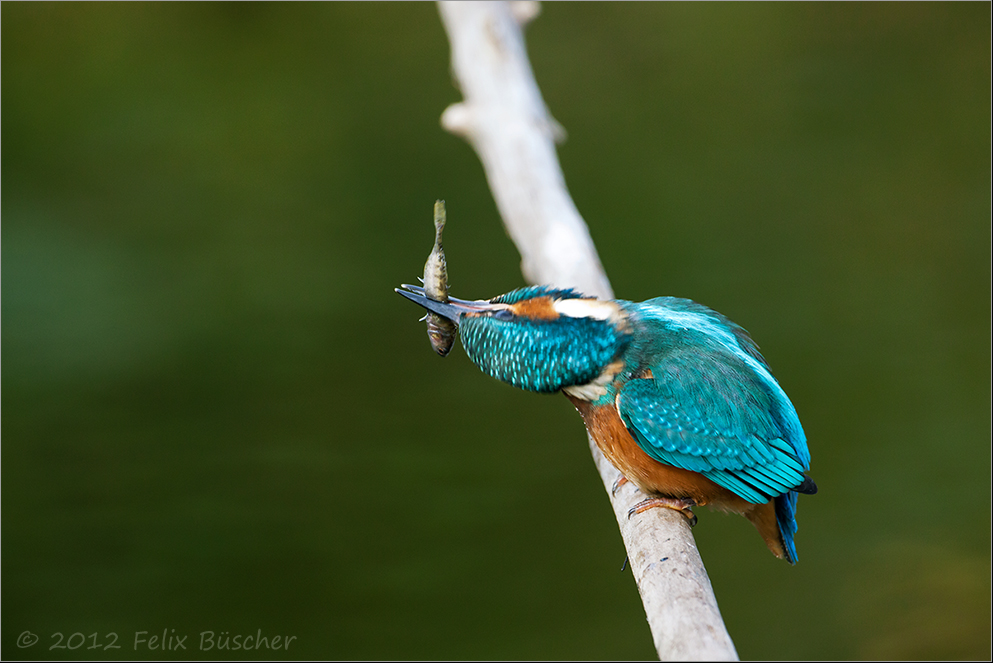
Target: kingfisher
676	396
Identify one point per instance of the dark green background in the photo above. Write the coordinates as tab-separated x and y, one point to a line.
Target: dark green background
218	416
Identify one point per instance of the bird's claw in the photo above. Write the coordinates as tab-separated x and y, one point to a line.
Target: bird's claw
621	480
683	505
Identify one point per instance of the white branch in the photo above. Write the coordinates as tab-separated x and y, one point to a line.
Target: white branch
505	120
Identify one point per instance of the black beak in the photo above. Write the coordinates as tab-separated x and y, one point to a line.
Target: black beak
452	309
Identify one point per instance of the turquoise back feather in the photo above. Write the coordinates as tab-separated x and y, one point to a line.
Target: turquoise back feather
712	406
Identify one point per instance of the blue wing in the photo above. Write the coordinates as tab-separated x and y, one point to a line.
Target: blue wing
712	406
722	416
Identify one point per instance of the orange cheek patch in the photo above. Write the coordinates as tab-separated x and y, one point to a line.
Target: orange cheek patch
539	308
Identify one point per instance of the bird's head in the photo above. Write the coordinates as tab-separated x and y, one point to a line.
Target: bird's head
539	338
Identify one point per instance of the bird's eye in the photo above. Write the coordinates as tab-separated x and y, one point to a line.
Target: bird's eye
503	314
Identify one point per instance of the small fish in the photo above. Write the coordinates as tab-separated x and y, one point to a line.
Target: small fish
441	331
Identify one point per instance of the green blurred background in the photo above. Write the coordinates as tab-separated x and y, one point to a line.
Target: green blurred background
217	416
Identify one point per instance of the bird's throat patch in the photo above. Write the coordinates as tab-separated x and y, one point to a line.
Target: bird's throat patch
597	389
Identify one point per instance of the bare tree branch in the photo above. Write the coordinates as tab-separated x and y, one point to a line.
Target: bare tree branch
505	120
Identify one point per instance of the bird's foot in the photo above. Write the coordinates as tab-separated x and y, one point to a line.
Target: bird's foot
683	505
621	480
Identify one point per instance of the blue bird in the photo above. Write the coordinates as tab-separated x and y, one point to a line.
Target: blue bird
676	396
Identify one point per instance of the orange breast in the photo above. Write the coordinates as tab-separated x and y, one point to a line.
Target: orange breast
654	478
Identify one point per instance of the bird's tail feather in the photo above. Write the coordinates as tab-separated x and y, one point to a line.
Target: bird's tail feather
786	519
